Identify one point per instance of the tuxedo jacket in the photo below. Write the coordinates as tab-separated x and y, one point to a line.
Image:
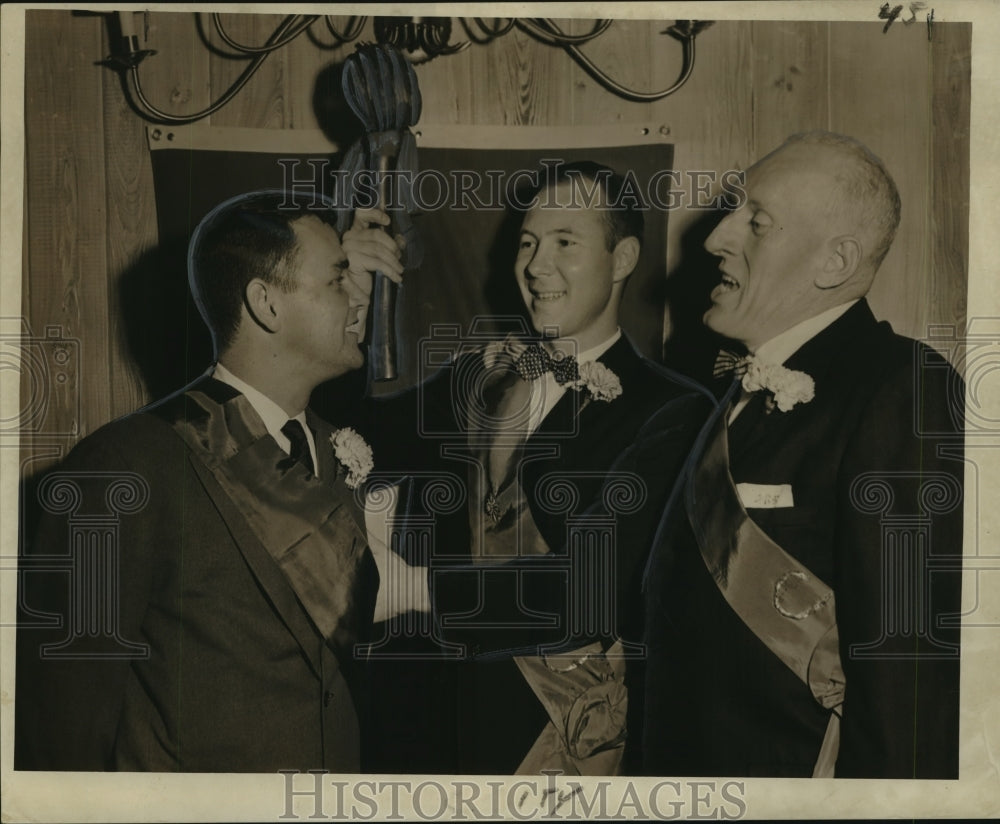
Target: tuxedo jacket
223	669
873	471
480	716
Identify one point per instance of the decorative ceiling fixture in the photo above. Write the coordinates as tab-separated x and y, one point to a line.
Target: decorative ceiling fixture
419	38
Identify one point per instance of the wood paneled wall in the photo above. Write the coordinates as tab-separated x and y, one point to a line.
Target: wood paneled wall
90	207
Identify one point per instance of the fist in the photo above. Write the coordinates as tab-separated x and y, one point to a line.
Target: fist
370	249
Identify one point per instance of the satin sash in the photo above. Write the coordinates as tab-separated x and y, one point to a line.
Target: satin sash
779	599
306	524
585	697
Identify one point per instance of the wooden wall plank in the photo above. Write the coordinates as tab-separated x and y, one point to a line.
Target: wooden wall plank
176	79
879	94
710	116
710	121
447	84
790	72
131	211
525	83
623	52
147	283
66	219
312	62
263	102
951	63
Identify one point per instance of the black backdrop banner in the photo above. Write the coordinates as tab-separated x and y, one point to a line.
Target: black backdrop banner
467	268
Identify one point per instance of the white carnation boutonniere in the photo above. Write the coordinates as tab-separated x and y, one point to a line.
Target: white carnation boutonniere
600	382
787	387
354	454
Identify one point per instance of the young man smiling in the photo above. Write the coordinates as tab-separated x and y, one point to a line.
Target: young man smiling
573	261
527	420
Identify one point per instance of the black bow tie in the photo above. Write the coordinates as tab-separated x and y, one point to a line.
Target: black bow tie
535	361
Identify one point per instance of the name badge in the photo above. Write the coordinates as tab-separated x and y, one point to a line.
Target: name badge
765	496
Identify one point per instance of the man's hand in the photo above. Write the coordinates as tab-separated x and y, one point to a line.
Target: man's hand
402	588
370	249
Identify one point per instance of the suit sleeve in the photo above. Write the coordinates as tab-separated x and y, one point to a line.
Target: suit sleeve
899	542
396	425
69	696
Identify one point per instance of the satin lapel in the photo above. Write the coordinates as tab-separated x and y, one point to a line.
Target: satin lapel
564	418
575	408
745	431
271	579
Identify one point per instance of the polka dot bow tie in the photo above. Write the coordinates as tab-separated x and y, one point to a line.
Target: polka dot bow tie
535	361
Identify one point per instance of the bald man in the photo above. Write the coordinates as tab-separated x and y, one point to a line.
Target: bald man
799	593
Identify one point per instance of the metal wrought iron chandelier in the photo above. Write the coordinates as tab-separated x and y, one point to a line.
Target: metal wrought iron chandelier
419	38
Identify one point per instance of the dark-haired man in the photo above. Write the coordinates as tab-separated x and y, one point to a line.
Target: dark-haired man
529	429
210	626
802	604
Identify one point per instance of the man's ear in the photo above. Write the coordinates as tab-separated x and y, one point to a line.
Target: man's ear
258	299
841	265
626	256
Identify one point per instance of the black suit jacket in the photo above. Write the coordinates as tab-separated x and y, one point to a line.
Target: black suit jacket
234	676
481	716
874	462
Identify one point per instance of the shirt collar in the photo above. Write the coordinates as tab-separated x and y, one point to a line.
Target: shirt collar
273	416
781	347
595	352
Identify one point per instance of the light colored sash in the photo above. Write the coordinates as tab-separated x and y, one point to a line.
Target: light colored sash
779	600
584	694
307	525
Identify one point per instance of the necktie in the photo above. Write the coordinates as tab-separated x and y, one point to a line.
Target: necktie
535	361
299	450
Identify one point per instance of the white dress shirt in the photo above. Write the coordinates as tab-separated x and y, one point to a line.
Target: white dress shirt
273	416
782	346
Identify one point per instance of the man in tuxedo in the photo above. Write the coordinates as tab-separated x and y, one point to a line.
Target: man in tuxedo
193	595
525	431
803	595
